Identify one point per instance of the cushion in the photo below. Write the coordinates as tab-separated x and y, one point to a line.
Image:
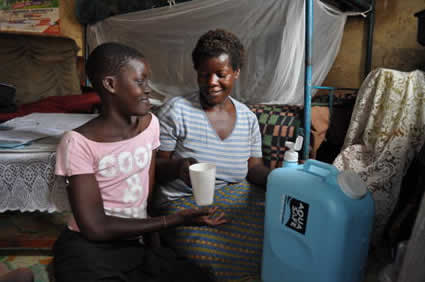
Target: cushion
82	103
278	124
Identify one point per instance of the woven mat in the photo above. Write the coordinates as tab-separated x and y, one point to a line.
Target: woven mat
30	230
37	264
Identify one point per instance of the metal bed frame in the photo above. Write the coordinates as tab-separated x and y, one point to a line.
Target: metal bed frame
360	5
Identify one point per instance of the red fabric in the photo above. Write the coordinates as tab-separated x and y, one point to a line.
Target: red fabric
82	103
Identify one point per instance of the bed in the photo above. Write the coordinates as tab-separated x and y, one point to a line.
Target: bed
27	179
78	103
275	74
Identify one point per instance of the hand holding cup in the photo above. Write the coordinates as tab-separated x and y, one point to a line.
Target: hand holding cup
184	165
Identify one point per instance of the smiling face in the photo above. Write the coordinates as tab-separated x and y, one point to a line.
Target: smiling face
131	88
215	79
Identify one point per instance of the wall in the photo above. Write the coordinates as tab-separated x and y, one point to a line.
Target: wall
69	25
394	46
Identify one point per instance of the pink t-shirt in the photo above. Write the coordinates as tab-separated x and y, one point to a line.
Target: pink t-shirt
121	168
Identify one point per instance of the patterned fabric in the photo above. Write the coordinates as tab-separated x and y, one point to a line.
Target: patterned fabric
387	128
233	250
278	124
28	183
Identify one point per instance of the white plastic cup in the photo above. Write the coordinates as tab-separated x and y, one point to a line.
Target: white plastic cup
202	176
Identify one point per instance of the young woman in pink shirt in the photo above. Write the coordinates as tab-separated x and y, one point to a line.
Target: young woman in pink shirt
109	163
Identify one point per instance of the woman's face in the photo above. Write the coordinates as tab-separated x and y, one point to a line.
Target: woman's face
132	87
215	79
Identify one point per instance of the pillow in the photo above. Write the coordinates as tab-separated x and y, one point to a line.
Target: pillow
80	103
278	124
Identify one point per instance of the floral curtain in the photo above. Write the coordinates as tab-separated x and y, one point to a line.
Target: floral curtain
386	131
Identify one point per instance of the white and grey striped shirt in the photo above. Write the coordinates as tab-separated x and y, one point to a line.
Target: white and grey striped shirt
186	130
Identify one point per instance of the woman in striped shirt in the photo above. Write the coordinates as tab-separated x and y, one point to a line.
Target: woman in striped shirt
210	126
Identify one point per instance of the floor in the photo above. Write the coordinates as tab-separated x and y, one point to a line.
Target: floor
38	231
379	259
26	240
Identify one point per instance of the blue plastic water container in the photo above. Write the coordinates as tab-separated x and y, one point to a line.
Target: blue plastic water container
318	223
290	164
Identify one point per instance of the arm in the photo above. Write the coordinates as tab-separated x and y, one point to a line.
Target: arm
168	169
152	238
87	207
171	131
152	173
88	210
257	171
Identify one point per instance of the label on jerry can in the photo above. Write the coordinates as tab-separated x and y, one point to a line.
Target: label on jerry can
294	214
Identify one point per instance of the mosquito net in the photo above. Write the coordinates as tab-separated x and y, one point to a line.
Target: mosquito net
272	32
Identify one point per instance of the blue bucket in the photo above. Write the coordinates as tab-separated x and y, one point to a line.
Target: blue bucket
318	223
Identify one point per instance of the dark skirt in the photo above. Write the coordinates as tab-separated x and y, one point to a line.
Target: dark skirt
78	259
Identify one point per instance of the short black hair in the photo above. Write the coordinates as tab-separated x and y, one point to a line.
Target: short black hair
217	42
108	59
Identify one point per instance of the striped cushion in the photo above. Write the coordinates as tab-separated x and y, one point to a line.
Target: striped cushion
278	124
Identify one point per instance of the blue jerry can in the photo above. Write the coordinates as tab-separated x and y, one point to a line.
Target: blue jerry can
318	223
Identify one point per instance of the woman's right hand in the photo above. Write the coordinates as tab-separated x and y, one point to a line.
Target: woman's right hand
203	216
184	165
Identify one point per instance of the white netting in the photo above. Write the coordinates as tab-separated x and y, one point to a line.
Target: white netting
272	31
